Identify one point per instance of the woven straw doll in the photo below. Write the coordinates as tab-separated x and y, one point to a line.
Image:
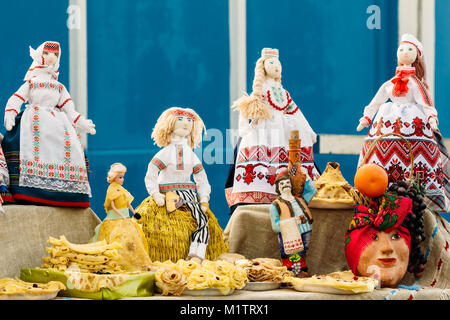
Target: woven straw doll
42	146
189	230
119	227
266	118
410	113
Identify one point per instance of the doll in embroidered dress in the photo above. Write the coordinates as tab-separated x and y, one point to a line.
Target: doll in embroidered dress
266	118
191	231
412	114
42	146
119	227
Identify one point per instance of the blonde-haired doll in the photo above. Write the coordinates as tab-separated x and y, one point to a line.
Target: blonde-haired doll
266	118
118	226
191	231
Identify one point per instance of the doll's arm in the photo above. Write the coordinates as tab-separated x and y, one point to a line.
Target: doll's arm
131	208
13	105
274	218
201	181
66	104
293	111
151	178
244	125
309	191
113	206
423	98
369	111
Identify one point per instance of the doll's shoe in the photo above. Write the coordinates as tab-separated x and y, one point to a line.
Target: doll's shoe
303	274
194	258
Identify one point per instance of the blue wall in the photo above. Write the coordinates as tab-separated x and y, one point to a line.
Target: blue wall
23	24
442	70
332	63
145	56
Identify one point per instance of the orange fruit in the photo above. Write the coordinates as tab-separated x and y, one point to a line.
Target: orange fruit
371	180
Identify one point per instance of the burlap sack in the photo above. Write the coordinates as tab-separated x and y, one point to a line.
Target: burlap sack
24	231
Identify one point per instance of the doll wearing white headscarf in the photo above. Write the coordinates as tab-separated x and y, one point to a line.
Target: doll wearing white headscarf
404	106
51	154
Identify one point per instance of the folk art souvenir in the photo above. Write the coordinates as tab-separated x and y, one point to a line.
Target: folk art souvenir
174	232
266	118
383	239
118	226
290	216
411	114
42	146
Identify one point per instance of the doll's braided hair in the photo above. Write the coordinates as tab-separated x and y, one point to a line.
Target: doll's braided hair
252	106
414	222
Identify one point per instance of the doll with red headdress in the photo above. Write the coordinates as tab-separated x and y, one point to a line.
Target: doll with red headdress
411	114
42	145
383	239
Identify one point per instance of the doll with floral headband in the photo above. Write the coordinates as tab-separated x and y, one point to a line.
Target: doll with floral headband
266	118
42	145
411	114
190	231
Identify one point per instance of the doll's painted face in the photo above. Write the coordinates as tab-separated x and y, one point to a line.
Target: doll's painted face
50	58
183	126
406	53
120	178
285	186
273	67
387	254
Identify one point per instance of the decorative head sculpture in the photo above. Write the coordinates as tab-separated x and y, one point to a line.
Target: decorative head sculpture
377	240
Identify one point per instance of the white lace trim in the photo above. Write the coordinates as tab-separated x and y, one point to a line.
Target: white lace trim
54	184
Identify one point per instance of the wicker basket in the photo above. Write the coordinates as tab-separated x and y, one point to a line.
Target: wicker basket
364	200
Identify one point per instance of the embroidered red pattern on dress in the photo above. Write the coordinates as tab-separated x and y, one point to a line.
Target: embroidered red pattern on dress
180	165
248	197
269	98
423	91
63	104
198	168
19	96
12	110
158	163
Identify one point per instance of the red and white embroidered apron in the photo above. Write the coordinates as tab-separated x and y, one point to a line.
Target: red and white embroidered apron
263	151
404	116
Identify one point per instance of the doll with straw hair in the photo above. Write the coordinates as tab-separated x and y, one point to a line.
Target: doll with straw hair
266	117
190	231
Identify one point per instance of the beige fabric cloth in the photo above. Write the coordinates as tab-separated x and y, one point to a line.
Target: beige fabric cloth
24	231
290	294
249	233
